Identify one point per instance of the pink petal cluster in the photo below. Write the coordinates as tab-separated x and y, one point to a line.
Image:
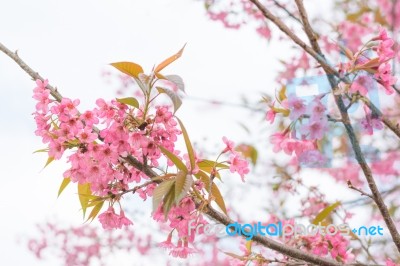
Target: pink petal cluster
351	32
384	75
316	126
178	220
110	220
336	245
370	122
296	106
96	156
236	162
362	84
312	158
282	141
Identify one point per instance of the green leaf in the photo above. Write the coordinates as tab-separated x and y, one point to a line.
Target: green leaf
178	163
176	100
189	146
129	68
325	212
218	197
177	80
142	86
208	167
64	184
96	209
160	191
209	170
41	150
209	163
169	60
183	184
84	194
49	160
129	101
169	200
94	200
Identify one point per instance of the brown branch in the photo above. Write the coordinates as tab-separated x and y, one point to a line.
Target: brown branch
307	27
34	75
285	29
290	14
316	53
377	197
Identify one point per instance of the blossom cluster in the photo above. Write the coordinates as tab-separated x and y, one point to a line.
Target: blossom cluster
236	161
373	57
125	133
110	220
178	220
98	156
99	143
309	124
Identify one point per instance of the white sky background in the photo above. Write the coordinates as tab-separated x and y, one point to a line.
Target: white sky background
70	42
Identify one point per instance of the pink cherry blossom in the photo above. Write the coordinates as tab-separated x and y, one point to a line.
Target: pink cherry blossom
270	116
312	158
296	106
230	145
361	84
315	129
239	165
370	123
109	220
122	220
167	244
182	251
264	31
87	135
316	109
389	262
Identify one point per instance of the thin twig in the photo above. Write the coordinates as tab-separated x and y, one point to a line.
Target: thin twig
363	201
290	14
285	29
350	185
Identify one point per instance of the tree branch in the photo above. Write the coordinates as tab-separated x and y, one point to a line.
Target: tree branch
316	53
290	14
285	29
376	196
34	75
307	27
